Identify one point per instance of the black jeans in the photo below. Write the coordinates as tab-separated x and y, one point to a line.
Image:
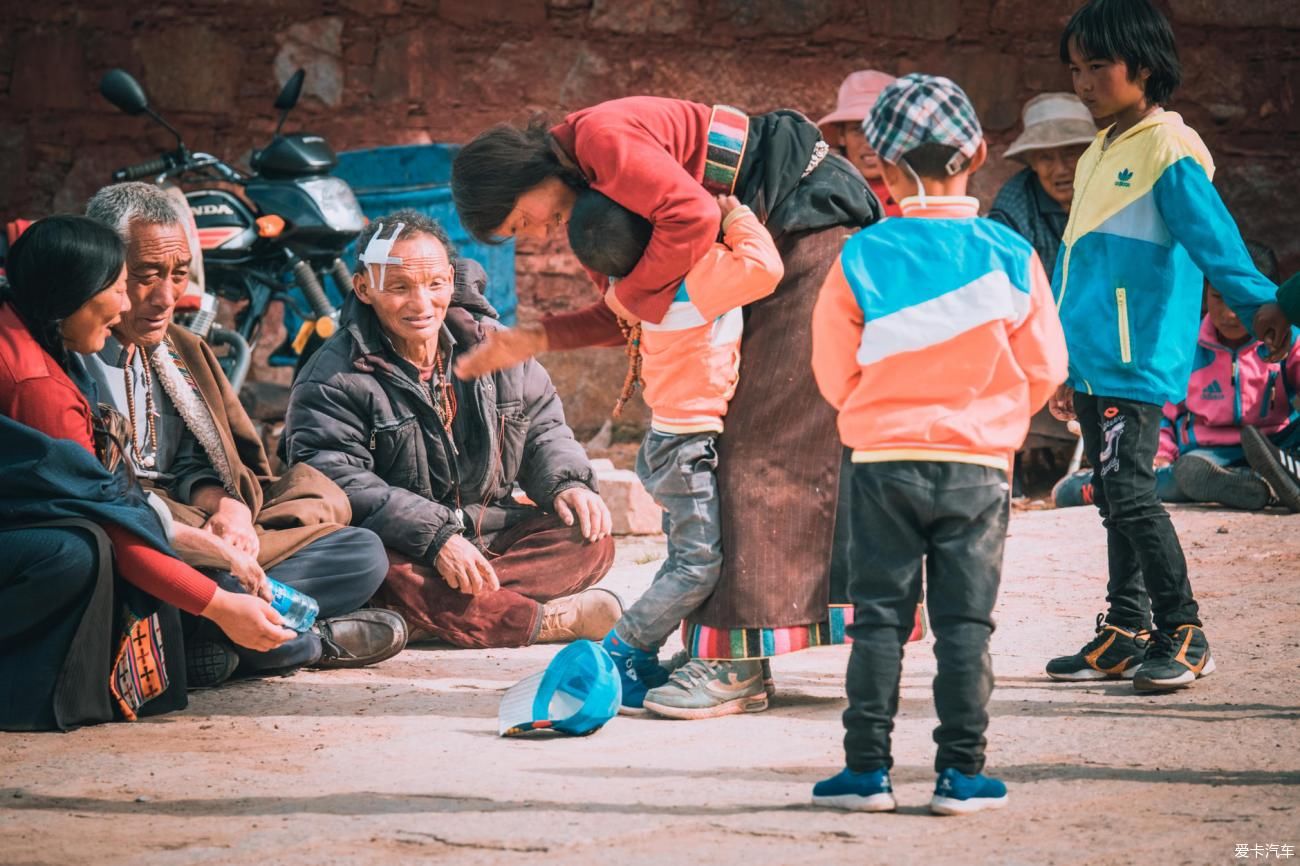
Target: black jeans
952	516
1148	573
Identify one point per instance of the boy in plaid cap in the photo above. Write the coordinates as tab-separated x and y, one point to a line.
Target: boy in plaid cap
936	338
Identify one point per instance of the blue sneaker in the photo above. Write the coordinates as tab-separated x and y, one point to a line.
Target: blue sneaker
859	792
638	670
958	794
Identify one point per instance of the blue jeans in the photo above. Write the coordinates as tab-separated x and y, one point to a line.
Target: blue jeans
680	473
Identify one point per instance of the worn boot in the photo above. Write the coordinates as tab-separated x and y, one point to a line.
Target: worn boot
588	615
361	638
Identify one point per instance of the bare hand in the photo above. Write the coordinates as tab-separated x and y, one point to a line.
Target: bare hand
203	549
247	620
249	573
1062	404
232	522
594	520
1273	330
1161	461
500	349
728	203
465	568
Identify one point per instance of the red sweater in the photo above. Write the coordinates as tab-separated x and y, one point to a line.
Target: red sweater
647	154
34	390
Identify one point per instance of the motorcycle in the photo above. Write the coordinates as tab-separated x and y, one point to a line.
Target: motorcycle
277	236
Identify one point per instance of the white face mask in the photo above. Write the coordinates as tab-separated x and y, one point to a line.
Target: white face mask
378	251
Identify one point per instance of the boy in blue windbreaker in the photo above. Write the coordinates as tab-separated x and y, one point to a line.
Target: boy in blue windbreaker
1145	224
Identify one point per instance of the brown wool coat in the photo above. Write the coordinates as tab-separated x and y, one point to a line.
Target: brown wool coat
289	511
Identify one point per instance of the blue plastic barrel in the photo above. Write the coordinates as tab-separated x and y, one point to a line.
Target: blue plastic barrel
418	176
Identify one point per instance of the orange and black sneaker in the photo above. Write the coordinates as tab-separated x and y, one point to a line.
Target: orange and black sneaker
1114	653
1174	660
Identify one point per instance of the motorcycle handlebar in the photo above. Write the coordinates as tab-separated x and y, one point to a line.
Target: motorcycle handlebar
143	169
178	163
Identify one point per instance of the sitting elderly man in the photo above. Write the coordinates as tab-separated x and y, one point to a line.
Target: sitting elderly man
430	462
193	444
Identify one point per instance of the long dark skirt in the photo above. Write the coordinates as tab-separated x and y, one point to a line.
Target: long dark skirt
778	473
60	627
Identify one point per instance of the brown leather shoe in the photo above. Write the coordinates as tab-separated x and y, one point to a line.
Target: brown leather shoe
361	638
588	615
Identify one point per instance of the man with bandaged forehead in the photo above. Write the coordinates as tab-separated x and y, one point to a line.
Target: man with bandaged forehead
430	462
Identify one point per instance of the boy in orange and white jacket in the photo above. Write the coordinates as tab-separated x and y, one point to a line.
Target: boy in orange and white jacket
936	338
690	364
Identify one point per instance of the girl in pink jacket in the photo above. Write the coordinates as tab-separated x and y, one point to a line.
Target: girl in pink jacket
1201	458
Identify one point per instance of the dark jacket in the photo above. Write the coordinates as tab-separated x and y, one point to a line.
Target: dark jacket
1023	205
360	414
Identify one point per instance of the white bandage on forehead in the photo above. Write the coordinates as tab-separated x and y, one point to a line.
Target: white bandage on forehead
377	252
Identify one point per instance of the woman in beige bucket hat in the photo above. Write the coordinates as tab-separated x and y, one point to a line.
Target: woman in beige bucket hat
1036	201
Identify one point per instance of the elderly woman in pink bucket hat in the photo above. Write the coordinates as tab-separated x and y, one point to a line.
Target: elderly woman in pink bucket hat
842	129
1036	201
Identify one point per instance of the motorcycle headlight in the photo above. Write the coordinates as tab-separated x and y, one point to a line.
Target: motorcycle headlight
336	201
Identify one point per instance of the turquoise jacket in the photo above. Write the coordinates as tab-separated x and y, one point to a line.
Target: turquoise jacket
1146	229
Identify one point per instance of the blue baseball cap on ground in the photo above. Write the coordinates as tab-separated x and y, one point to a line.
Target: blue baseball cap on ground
577	693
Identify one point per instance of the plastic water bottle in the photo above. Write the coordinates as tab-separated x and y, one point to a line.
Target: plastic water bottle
296	609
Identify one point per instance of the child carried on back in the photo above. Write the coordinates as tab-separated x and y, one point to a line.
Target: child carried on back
690	367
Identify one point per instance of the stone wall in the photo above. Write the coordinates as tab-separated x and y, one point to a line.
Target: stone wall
408	71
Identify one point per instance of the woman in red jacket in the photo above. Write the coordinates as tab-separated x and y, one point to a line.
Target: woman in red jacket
67	287
666	159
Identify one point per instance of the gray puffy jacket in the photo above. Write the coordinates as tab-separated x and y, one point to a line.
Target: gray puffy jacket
359	414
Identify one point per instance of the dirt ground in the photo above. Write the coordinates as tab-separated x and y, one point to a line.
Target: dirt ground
401	763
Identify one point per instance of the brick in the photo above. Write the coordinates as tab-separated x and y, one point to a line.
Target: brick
642	16
13	153
1046	75
317	47
1040	16
510	13
589	382
633	511
755	17
49	71
1257	13
914	19
190	67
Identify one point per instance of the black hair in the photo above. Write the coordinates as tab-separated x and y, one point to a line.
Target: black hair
414	223
1264	259
930	160
1130	30
54	268
490	173
605	236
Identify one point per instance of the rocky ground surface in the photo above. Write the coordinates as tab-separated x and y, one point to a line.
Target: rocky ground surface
401	763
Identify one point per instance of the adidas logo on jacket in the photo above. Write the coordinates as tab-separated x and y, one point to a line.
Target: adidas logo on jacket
1145	224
